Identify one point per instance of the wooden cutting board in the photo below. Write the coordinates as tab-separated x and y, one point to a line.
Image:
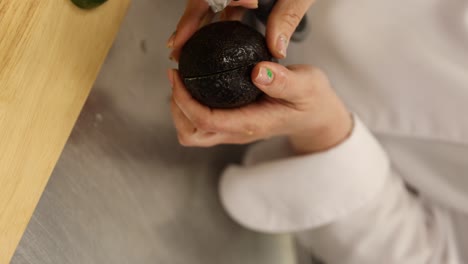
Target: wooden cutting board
50	55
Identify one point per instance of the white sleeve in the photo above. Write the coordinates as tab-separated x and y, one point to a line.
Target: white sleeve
345	204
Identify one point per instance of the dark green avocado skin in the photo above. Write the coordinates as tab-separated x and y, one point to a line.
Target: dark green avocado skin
88	4
216	64
228	89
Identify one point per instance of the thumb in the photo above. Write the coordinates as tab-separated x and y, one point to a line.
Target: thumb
280	82
282	22
194	15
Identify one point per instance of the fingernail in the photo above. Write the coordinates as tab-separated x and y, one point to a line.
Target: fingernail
171	40
282	44
265	76
170	76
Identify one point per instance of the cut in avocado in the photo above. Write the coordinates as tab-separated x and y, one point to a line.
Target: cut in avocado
88	4
217	61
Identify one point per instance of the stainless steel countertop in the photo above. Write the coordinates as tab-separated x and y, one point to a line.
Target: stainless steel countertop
124	191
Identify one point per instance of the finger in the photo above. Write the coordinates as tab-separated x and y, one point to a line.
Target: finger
225	138
246	120
250	4
213	139
231	13
181	122
189	23
209	139
192	109
188	134
237	138
291	85
207	19
282	22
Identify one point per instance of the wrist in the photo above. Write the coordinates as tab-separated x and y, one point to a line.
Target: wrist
324	136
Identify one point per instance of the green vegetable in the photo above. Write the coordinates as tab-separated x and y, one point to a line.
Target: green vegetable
88	4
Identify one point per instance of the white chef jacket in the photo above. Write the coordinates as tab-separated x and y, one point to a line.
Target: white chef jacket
396	191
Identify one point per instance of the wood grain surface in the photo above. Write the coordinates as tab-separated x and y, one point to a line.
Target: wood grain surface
50	55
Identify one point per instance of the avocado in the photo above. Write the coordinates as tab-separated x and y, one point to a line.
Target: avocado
88	4
216	64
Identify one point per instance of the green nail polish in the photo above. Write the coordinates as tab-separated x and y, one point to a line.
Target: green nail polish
269	73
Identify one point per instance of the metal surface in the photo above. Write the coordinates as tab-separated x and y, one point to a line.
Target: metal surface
124	191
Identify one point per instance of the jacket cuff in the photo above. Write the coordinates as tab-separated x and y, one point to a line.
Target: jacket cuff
276	192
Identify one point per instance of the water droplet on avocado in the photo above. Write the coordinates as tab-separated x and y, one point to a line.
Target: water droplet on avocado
217	61
88	4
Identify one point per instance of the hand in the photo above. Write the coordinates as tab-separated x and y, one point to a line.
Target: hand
299	103
282	22
197	13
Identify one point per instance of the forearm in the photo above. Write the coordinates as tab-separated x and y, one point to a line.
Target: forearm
356	208
326	137
326	128
396	227
277	190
